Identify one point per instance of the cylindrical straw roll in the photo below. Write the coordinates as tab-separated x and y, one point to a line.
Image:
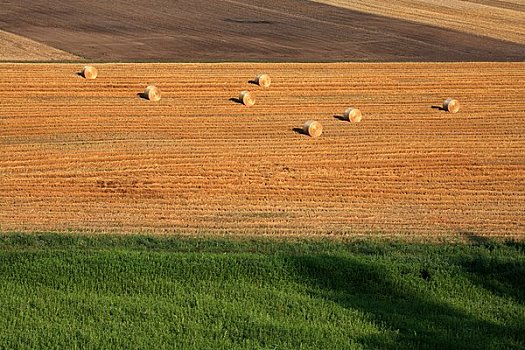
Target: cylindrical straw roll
353	114
313	128
263	80
89	72
246	98
152	93
451	105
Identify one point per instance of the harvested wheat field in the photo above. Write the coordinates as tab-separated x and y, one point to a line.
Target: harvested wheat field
93	155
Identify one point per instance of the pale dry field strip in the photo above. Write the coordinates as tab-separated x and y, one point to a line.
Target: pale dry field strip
92	155
500	19
17	48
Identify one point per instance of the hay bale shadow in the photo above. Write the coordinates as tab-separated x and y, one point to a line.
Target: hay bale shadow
142	95
80	74
439	107
340	117
253	81
236	100
299	131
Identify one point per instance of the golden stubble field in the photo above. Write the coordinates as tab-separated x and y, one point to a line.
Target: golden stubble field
501	19
94	156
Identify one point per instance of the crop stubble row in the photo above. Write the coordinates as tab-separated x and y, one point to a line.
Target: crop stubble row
92	155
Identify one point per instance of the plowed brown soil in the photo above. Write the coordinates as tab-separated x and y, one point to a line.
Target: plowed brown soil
243	30
93	155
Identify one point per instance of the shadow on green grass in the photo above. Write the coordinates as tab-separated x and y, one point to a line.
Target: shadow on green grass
404	301
421	296
503	276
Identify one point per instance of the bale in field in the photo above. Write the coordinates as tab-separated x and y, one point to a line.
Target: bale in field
313	128
89	72
246	98
353	114
451	105
263	80
152	93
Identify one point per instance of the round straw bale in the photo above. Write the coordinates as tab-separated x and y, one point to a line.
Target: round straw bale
313	128
353	114
246	98
152	93
263	80
89	72
451	105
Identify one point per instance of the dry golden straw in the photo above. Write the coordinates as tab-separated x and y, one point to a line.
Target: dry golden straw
246	98
152	93
353	114
263	80
451	105
89	72
313	128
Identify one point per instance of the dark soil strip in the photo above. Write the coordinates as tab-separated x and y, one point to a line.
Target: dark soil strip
239	30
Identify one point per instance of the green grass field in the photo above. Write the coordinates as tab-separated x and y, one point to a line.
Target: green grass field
144	292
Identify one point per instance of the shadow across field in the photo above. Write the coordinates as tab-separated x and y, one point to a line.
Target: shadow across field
505	278
265	293
236	100
299	131
412	302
